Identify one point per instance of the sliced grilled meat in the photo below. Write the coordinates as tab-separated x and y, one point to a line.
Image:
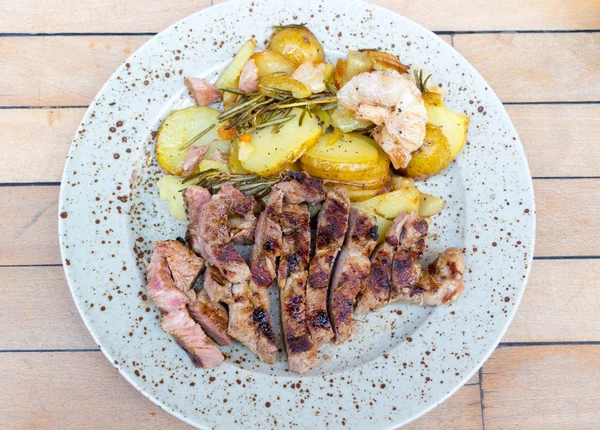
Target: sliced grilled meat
191	338
242	221
406	269
216	286
161	286
332	224
194	197
211	316
301	188
440	283
292	276
379	281
184	264
351	269
263	259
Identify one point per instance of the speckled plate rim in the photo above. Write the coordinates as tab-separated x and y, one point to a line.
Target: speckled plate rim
518	296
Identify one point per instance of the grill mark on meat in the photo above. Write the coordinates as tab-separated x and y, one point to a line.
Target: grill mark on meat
352	267
301	188
301	350
211	316
332	224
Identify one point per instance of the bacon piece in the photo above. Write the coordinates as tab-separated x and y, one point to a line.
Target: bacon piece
203	92
248	82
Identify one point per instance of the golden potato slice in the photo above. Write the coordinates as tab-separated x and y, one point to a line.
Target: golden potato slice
178	129
388	206
356	63
210	164
386	61
285	83
269	62
432	157
170	190
345	120
268	153
433	99
350	158
430	205
453	125
231	75
401	182
359	195
235	165
339	74
297	45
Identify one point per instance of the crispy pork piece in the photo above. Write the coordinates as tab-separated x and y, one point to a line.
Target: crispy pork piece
194	197
406	269
301	188
379	281
184	264
351	269
191	338
441	282
161	286
292	277
203	92
332	224
211	316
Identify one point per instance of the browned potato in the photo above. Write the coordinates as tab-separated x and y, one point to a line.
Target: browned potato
356	63
297	45
339	74
431	158
285	83
269	62
433	99
385	61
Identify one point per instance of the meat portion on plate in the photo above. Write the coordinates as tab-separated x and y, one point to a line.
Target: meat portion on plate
211	316
378	283
263	265
441	282
292	277
194	197
161	286
184	264
351	269
301	188
332	224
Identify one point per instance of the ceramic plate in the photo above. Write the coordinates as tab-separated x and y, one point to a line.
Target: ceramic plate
404	360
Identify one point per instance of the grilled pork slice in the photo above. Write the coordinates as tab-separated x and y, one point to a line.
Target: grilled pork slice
332	224
292	275
406	269
184	264
191	338
440	283
194	197
301	188
263	259
211	316
379	281
351	269
216	286
219	251
241	221
161	286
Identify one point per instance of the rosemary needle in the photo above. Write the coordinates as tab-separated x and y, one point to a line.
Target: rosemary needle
197	137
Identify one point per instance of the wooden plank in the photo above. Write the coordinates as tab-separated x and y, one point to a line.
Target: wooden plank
556	139
59	71
566	215
36	143
561	303
94	16
37	311
53	390
489	15
549	387
72	390
536	67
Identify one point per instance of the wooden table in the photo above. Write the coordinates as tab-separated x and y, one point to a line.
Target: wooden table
542	57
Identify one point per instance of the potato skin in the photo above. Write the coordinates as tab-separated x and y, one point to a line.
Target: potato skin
297	45
269	62
431	158
453	125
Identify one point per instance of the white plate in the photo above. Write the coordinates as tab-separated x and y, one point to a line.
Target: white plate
404	360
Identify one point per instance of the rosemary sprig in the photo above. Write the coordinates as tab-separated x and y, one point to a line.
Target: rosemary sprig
421	84
284	26
197	137
249	185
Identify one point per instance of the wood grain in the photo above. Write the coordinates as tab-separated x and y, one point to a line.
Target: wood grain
69	71
549	387
82	390
566	216
536	67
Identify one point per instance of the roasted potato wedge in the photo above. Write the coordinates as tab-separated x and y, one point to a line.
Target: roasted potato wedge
359	194
339	73
387	206
401	182
350	158
178	129
356	63
268	153
269	62
430	205
432	157
453	125
297	45
231	75
346	121
386	61
170	189
235	165
433	99
285	83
